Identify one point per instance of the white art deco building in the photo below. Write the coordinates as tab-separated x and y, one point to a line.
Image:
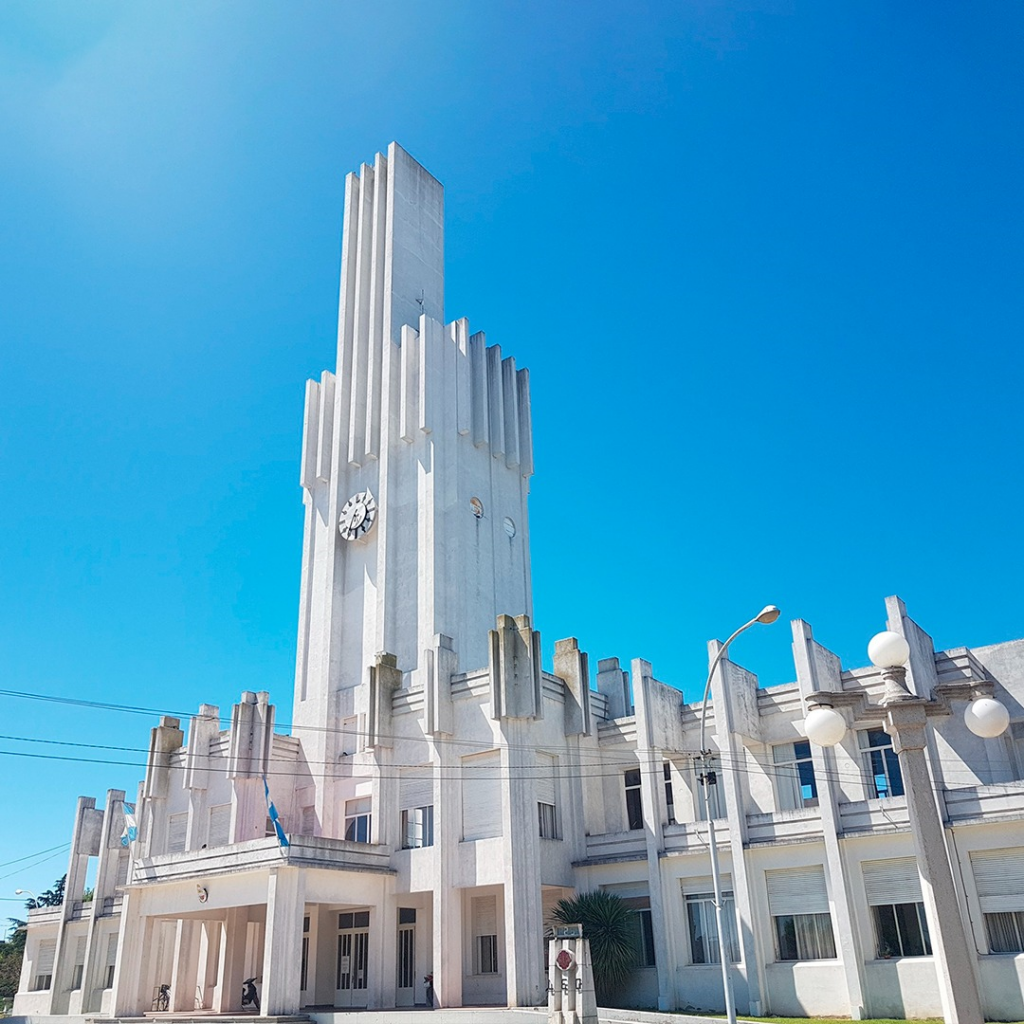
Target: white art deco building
441	790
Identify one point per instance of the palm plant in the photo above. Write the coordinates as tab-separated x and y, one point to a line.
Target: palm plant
608	924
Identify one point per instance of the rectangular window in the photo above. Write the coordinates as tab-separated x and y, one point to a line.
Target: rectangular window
901	930
548	824
1015	747
43	976
357	820
999	877
309	821
795	785
634	800
893	890
177	832
713	784
798	903
881	764
79	967
703	928
1005	931
670	806
108	980
805	937
484	916
481	796
350	736
642	927
220	825
304	967
487	954
417	828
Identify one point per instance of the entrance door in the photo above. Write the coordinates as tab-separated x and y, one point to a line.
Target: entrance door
405	982
353	944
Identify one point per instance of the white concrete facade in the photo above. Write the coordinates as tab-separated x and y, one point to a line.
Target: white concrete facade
441	791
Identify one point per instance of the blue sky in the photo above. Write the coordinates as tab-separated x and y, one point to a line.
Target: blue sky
762	259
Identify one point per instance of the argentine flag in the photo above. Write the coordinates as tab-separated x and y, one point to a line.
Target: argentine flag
131	826
274	816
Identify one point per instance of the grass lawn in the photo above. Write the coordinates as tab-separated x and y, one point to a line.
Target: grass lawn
830	1020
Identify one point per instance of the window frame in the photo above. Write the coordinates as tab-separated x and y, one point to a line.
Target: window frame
702	904
634	797
425	825
886	765
547	820
802	925
881	943
799	767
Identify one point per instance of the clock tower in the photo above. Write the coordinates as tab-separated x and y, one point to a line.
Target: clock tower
416	461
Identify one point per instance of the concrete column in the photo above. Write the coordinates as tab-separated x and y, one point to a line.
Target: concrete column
447	899
524	927
282	947
209	957
186	967
953	954
819	671
383	927
228	997
654	813
134	946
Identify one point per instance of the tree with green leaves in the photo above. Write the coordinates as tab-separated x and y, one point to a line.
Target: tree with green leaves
609	926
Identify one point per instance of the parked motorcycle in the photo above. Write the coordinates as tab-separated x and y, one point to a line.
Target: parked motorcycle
250	997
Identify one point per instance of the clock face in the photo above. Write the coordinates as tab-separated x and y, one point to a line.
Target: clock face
358	516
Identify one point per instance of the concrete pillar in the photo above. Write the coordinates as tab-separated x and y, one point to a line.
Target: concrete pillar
953	954
819	671
186	967
524	927
135	944
228	997
209	958
447	899
383	928
282	947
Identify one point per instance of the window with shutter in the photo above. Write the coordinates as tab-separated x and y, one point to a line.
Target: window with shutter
893	890
79	964
999	877
43	975
177	831
798	902
220	825
484	914
111	961
481	796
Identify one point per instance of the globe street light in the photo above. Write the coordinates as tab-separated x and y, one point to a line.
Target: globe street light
708	778
904	716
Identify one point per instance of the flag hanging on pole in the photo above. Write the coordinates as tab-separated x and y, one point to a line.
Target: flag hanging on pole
274	816
131	826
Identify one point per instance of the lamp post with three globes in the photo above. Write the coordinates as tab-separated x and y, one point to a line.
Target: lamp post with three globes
904	716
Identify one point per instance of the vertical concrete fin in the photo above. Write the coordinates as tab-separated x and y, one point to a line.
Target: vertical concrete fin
361	319
495	401
378	298
614	684
347	294
478	372
463	379
310	435
572	668
525	423
442	664
510	389
409	402
325	433
922	676
817	668
384	679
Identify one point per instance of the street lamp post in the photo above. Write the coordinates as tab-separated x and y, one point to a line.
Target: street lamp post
22	892
709	778
904	716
